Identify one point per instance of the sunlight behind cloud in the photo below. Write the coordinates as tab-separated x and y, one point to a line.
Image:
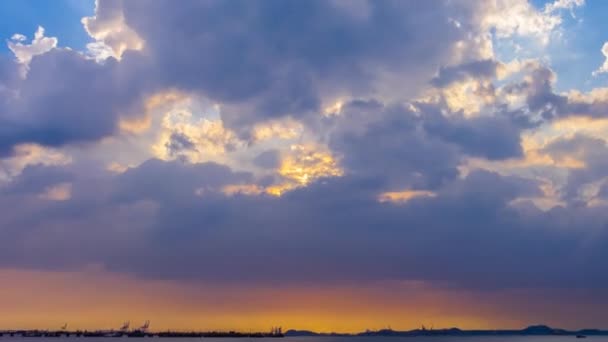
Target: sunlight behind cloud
304	164
322	164
404	196
58	192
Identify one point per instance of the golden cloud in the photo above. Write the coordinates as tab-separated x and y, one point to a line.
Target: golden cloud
30	154
208	138
404	196
282	129
304	164
242	189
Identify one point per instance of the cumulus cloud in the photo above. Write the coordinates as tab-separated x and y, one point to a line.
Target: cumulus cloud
112	35
286	71
65	99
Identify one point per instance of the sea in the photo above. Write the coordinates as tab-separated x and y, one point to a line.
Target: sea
320	339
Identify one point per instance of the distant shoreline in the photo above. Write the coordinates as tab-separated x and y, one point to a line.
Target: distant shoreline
115	334
535	330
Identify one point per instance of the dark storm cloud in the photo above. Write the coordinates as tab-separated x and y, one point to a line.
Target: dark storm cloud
103	210
464	237
331	231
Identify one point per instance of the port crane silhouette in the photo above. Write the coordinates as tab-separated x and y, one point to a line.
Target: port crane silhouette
125	326
145	327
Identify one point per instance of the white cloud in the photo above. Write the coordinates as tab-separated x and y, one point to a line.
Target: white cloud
604	67
113	36
25	52
18	37
509	18
520	18
563	4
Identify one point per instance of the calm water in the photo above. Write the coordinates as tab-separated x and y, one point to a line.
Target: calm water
322	339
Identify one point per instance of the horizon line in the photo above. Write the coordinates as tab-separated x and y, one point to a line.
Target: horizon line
354	332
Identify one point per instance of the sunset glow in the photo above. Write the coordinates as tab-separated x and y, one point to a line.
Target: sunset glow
323	165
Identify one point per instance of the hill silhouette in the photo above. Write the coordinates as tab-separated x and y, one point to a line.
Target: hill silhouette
536	330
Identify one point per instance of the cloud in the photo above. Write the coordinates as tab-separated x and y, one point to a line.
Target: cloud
35	178
39	45
84	107
59	192
393	143
486	68
334	230
269	159
297	62
604	67
183	134
563	4
539	103
112	35
158	180
404	196
511	19
29	155
582	183
489	137
179	142
287	72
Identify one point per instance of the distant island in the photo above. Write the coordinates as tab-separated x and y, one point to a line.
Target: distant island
538	330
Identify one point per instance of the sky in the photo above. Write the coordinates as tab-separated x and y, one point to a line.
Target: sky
333	165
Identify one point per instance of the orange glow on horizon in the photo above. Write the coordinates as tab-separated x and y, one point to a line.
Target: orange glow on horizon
94	299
